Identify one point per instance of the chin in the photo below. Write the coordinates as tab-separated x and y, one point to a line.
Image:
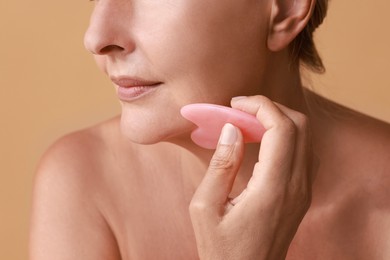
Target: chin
142	129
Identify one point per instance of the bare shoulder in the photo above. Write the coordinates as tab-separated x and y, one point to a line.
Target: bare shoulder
370	137
65	220
363	142
351	190
353	128
373	148
372	163
74	158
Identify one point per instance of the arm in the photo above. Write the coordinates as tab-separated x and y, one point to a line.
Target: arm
65	222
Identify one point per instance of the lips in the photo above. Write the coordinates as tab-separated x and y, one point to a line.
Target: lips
131	88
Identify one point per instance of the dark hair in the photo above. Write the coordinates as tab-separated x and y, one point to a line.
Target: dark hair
303	49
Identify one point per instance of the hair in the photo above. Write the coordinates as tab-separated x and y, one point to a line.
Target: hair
303	49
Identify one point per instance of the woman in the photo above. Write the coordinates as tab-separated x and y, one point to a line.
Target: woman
137	187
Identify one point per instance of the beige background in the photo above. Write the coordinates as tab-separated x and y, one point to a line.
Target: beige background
49	86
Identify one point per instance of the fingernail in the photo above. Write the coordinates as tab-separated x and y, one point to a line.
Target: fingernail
238	98
228	135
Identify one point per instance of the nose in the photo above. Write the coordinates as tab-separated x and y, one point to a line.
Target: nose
109	30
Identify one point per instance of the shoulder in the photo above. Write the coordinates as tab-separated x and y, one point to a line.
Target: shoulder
355	128
70	158
352	144
76	164
77	154
65	216
366	141
369	138
355	174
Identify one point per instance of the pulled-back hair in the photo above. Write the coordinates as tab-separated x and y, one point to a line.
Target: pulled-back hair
303	49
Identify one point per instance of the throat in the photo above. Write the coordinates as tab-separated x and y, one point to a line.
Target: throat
193	168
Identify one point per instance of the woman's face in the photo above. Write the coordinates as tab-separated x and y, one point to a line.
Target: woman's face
197	50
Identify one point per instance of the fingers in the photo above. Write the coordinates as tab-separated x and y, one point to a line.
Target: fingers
285	154
210	198
273	204
278	144
304	164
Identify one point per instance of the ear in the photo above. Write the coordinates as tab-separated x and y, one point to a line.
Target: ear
288	18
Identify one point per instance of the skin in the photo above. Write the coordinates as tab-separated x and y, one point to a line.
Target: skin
316	188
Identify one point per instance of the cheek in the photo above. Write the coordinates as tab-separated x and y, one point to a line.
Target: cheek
205	48
202	52
153	124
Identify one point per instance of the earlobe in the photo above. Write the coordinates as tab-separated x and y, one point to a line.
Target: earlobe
288	18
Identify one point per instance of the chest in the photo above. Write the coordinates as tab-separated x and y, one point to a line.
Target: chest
156	237
150	220
155	232
149	216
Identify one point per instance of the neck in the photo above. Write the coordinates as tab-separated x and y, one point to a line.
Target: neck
282	85
195	161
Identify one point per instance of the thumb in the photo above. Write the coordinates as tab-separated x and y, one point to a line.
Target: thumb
212	194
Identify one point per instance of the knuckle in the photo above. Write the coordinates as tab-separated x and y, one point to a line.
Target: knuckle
301	120
223	160
196	207
287	126
297	123
221	164
262	99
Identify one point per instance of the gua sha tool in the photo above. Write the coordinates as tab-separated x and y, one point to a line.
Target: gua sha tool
211	118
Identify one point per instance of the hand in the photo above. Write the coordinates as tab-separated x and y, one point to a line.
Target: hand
261	222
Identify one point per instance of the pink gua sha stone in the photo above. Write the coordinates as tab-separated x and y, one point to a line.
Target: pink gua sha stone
211	118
